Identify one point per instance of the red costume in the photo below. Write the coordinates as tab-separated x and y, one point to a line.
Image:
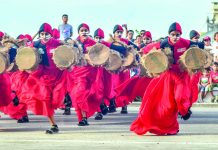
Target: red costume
5	90
42	90
166	95
20	110
135	86
85	92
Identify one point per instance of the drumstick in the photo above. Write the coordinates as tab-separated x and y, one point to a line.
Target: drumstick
35	35
11	41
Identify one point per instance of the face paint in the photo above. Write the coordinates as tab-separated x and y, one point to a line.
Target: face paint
44	36
195	39
118	34
83	32
174	36
146	40
47	37
98	39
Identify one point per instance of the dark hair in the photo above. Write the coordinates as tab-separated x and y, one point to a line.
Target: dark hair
64	15
130	31
207	69
215	63
215	35
138	36
142	31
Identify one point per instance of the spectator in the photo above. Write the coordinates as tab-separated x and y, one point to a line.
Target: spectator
147	38
215	47
138	40
207	43
194	36
65	29
213	81
142	32
204	82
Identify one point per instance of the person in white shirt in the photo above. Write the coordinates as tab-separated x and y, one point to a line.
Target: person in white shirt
207	43
214	51
65	29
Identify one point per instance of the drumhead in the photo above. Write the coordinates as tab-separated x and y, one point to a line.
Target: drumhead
194	58
114	62
64	56
27	58
128	60
209	59
155	61
99	54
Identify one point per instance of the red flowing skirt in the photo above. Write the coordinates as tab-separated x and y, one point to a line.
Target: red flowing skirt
87	91
130	89
42	90
164	97
5	90
16	112
118	79
108	84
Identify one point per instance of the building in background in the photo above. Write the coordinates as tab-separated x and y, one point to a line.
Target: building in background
212	23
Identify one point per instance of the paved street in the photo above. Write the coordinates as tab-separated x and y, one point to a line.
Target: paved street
200	132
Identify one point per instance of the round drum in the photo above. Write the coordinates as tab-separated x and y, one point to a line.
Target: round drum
65	56
129	59
209	59
194	58
114	62
27	58
4	62
155	61
99	54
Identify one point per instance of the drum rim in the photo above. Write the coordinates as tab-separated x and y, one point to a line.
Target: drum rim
3	57
154	69
108	64
71	61
128	62
103	59
31	66
186	55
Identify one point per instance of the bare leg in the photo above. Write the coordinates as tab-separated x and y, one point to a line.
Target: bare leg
202	96
52	120
54	127
83	114
212	93
84	121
